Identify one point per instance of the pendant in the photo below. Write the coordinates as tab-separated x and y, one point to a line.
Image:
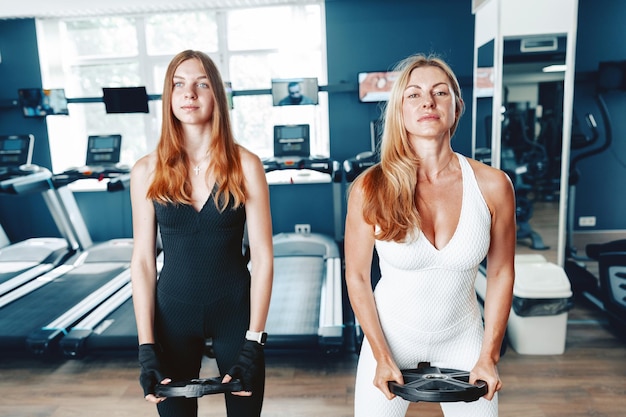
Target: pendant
196	169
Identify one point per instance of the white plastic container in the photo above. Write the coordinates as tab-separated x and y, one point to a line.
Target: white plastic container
542	296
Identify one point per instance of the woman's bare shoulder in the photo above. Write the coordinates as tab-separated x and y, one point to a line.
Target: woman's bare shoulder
494	183
487	173
144	167
249	160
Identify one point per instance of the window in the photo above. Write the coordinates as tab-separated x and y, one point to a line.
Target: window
249	46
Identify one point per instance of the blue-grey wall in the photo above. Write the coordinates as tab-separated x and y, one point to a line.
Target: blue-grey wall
22	216
373	36
600	190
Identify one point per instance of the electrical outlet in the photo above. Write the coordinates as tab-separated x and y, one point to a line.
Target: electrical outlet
587	221
303	228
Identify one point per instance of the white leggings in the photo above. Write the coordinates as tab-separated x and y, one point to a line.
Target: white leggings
454	348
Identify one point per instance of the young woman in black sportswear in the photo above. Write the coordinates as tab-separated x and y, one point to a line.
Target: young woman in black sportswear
199	189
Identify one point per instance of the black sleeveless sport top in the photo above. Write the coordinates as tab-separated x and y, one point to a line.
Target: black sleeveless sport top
203	259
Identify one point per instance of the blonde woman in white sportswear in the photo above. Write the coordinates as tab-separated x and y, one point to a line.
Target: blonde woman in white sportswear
432	215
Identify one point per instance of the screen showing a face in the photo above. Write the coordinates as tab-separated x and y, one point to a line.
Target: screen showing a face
295	92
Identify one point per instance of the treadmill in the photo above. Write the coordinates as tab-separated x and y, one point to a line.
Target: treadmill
24	261
110	327
37	314
307	299
306	309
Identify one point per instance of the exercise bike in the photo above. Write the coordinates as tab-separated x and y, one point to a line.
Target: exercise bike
607	291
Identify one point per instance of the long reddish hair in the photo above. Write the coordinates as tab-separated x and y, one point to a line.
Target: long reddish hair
170	183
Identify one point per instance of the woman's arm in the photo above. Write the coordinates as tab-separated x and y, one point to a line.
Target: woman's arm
500	196
259	226
143	263
359	247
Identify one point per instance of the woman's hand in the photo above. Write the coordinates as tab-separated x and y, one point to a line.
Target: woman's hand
249	367
387	371
486	370
151	373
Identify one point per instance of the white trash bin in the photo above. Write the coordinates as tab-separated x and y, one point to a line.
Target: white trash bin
542	297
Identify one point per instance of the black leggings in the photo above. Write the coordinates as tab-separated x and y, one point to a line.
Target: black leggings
182	329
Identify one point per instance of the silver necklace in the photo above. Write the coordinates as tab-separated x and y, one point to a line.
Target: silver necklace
196	169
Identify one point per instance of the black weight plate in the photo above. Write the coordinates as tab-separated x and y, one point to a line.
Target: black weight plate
432	384
197	387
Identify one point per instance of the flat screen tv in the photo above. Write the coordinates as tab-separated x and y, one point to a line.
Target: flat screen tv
40	102
295	91
376	86
125	99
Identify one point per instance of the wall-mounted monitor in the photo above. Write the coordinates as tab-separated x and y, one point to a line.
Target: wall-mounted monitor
40	102
103	149
376	86
125	99
295	91
292	140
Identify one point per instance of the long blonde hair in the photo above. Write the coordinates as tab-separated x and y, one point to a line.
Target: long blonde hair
170	184
390	186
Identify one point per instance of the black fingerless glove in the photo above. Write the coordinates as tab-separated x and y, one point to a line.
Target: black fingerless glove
250	365
151	373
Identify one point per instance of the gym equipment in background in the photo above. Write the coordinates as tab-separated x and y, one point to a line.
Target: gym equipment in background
109	327
307	294
607	291
40	312
307	299
433	384
525	160
24	261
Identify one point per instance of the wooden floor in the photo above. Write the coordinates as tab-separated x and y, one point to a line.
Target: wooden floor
589	379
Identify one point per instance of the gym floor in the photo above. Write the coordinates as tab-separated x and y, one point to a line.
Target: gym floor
589	379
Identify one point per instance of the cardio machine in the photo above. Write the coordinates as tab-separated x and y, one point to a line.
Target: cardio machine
607	289
24	261
37	314
306	309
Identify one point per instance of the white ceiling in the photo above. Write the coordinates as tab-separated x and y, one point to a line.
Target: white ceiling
82	8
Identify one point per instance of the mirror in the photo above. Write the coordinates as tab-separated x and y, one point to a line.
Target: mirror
531	136
484	84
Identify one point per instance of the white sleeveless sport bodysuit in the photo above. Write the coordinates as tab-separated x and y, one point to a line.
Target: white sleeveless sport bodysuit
428	309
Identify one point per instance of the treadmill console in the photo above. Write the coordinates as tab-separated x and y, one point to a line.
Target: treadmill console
102	161
292	140
103	149
16	153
